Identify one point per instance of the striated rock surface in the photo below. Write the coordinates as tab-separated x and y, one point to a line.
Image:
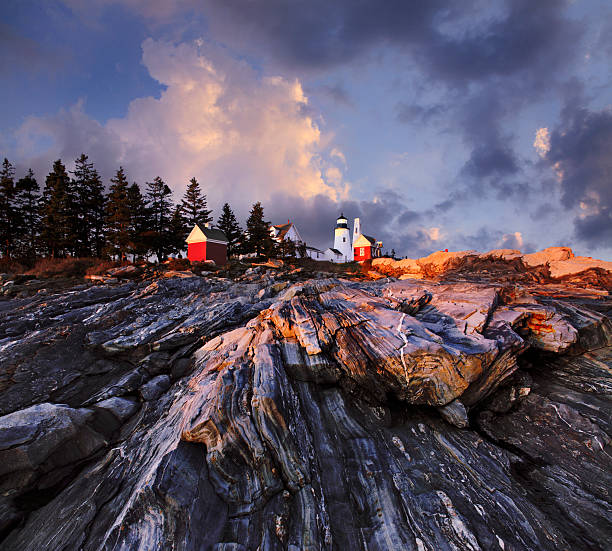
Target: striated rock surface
199	413
554	264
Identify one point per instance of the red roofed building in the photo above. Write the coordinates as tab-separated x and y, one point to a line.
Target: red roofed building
366	247
207	244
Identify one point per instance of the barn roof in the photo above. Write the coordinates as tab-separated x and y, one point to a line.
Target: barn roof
198	235
359	242
283	229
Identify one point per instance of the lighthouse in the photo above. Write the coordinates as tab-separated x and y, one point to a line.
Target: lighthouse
342	239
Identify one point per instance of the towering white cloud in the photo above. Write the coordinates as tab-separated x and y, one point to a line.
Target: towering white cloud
243	135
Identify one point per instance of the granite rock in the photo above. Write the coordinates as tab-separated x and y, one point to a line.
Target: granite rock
331	414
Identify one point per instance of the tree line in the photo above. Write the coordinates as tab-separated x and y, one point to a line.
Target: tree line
75	216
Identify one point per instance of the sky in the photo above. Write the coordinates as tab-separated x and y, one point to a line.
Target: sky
478	124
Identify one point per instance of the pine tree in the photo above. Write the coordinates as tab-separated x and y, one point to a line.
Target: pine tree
56	227
89	207
259	239
138	221
177	230
159	207
290	248
118	215
229	226
27	203
8	215
194	206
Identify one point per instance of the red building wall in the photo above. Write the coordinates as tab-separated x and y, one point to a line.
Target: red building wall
216	252
198	252
363	253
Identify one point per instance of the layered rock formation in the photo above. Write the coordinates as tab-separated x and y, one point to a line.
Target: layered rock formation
203	413
554	264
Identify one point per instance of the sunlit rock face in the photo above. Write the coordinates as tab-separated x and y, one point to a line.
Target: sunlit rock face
554	264
201	413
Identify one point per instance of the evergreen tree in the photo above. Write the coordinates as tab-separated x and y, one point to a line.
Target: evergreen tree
229	226
118	216
160	212
259	240
27	203
138	221
8	215
88	208
56	225
177	230
290	248
194	206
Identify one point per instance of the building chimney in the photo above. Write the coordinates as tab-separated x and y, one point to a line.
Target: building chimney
207	225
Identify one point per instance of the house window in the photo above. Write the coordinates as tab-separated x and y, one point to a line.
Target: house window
361	251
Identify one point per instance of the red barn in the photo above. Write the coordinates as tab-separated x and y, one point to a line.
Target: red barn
207	244
366	247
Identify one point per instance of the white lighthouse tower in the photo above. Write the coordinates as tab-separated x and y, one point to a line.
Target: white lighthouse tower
342	239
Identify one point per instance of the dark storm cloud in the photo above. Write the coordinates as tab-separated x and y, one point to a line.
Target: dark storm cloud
595	229
386	218
486	239
485	160
320	33
72	133
581	153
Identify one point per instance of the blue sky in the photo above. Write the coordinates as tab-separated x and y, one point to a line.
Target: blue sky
419	117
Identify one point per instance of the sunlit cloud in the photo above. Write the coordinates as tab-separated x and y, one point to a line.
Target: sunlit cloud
434	234
542	142
242	135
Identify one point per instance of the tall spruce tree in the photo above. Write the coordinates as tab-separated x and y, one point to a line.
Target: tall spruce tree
138	221
229	226
160	212
177	230
259	240
27	203
9	221
56	226
89	207
194	206
118	216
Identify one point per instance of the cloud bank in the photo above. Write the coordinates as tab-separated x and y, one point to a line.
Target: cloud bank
242	135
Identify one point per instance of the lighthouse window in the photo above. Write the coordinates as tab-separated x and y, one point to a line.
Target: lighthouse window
344	240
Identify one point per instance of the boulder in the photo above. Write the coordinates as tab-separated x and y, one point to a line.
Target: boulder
545	256
124	271
155	388
575	265
44	437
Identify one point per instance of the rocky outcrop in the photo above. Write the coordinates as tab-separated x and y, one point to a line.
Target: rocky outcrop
205	413
554	264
